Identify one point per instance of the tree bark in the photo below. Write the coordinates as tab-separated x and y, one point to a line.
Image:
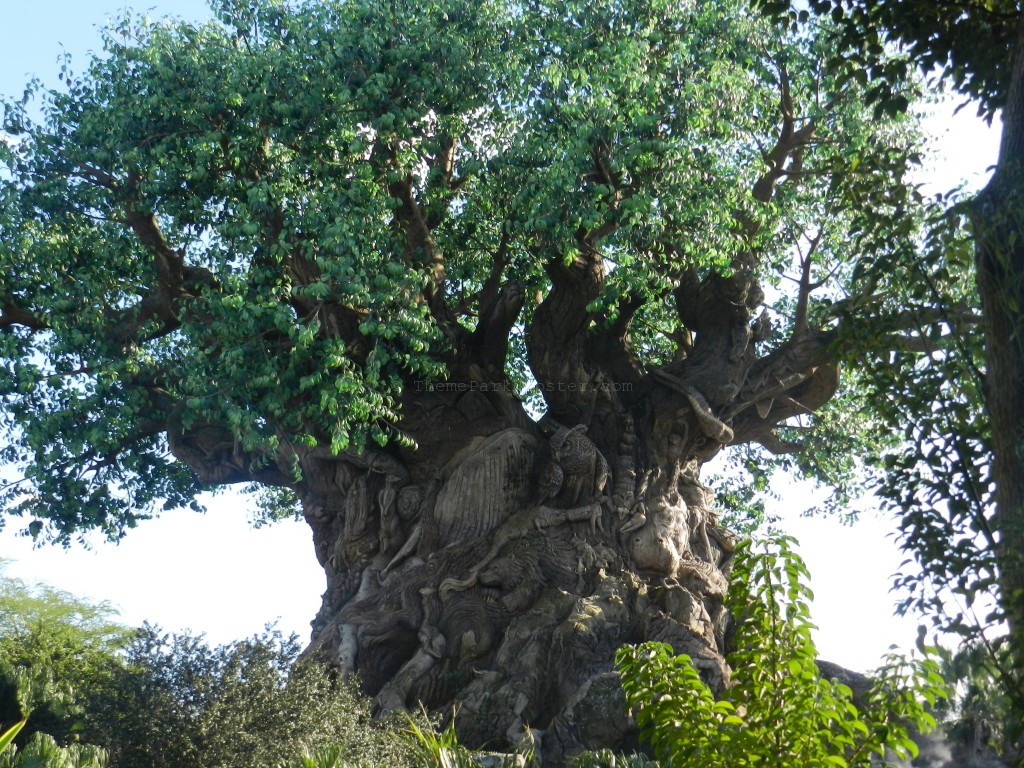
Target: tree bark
494	570
498	567
998	220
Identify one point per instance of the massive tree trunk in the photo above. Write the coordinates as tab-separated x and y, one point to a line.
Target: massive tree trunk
494	567
498	567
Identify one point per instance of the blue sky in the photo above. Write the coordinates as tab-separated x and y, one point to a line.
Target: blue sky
215	574
34	33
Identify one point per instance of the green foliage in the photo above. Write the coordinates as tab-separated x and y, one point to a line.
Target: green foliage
778	710
437	748
154	701
325	757
430	747
946	486
78	678
936	472
966	43
178	703
42	751
7	737
605	758
207	236
977	710
54	649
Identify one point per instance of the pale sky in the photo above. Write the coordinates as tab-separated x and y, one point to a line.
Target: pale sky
216	575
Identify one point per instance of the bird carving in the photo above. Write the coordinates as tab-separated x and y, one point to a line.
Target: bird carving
550	483
577	473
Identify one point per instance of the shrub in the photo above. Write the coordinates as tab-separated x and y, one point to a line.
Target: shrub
779	711
178	703
42	751
605	758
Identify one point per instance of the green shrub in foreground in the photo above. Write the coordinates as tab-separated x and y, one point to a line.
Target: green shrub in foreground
42	751
779	711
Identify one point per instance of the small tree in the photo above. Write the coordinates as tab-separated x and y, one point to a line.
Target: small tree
55	649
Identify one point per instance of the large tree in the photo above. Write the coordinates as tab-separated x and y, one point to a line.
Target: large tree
480	286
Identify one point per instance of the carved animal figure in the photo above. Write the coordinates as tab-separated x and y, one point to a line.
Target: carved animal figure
584	470
660	543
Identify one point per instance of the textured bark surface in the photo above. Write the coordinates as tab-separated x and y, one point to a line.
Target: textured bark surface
494	570
999	236
498	568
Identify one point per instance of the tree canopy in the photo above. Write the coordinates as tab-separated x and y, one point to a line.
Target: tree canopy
351	251
239	243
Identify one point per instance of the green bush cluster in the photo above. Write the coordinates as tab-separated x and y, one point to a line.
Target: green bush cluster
151	700
242	705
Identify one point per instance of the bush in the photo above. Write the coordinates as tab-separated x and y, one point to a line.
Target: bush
605	758
42	751
178	703
779	711
161	701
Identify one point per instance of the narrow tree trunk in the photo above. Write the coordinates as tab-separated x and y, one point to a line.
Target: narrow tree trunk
497	568
999	231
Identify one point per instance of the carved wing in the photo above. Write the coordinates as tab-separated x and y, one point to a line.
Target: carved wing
468	505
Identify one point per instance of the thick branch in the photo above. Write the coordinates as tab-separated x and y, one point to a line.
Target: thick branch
788	144
490	340
488	293
815	388
11	315
558	334
170	264
215	455
419	245
803	298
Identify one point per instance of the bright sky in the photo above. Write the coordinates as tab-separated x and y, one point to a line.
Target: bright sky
217	575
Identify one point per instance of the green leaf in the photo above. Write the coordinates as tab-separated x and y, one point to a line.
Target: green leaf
7	737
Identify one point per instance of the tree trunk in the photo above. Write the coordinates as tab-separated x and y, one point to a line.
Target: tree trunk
999	231
497	568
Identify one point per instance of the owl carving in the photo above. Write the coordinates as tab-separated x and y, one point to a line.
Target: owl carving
577	473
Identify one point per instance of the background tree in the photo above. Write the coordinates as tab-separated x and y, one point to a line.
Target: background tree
178	702
54	649
324	248
978	49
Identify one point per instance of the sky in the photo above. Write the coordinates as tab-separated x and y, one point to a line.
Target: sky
216	575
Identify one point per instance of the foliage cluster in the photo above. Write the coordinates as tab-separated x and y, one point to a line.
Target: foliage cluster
965	43
54	649
779	709
523	135
958	486
240	705
157	701
43	751
977	712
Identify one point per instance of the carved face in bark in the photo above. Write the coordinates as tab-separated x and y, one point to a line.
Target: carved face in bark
662	543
